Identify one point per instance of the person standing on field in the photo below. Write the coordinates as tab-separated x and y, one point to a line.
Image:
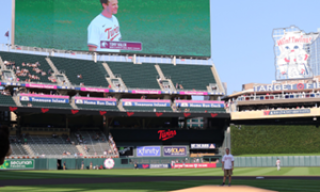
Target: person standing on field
278	164
82	165
227	166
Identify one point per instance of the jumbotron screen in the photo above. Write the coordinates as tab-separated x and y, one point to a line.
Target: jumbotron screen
166	27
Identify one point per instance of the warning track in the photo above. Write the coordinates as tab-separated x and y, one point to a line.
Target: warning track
26	182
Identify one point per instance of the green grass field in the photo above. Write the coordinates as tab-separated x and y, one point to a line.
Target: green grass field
277	185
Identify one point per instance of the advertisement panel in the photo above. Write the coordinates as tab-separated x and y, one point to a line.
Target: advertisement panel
153	166
148	151
292	54
95	101
108	163
203	146
174	151
205	104
287	112
195	165
44	98
125	151
159	166
146	103
18	164
166	27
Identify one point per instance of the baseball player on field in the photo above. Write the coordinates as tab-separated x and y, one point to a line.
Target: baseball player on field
278	164
104	27
227	166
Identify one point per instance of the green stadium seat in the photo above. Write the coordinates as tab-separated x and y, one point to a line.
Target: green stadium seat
7	100
93	74
189	76
143	76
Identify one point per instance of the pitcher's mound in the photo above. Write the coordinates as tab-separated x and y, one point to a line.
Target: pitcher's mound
215	188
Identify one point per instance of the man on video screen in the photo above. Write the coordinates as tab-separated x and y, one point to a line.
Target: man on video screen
104	27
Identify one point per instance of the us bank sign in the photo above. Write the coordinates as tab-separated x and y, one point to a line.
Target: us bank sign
288	87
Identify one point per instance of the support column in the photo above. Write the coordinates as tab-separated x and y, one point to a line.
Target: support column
105	125
143	123
185	123
67	121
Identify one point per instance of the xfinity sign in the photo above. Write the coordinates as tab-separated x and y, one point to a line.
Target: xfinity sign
149	151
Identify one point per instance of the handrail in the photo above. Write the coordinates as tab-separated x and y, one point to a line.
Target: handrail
278	96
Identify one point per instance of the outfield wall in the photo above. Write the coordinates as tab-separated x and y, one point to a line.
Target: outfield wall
286	161
75	163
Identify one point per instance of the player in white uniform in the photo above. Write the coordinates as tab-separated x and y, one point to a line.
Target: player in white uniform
227	166
278	164
104	27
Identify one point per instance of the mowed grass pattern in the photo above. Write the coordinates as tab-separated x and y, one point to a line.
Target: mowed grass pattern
282	185
162	186
270	171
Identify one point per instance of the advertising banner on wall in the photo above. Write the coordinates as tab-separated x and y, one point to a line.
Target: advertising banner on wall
44	98
195	165
118	26
174	151
18	164
153	166
292	54
148	151
206	104
203	146
95	101
146	103
125	151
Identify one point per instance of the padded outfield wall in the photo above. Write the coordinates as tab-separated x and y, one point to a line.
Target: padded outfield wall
275	139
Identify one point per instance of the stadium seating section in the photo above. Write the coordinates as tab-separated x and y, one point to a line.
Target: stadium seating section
143	76
40	142
91	146
93	74
7	100
47	105
189	76
136	76
49	146
26	58
158	109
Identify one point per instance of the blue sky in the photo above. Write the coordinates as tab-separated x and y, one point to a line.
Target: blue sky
5	21
242	45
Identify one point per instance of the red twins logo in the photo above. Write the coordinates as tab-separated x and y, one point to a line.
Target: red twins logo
165	135
112	33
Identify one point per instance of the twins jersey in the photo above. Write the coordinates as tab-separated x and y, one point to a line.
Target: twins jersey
103	28
227	159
